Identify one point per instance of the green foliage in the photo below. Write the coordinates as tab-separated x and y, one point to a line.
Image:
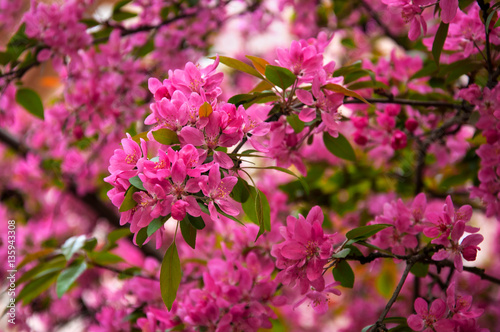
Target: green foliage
280	76
170	276
68	276
188	232
364	232
30	101
437	45
339	146
344	274
72	245
166	136
128	202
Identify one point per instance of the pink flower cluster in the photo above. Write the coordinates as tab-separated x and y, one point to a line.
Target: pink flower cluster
452	315
412	13
445	227
187	104
58	27
487	103
303	256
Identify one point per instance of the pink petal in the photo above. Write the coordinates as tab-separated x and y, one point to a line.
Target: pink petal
223	160
448	10
472	240
438	307
293	250
307	114
190	135
458	231
214	177
304	96
421	307
415	323
440	255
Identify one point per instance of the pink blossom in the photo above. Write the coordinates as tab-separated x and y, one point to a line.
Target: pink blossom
429	320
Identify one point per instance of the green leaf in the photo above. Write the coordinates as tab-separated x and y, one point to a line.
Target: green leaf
128	202
166	136
120	4
69	276
342	253
364	232
295	122
428	70
142	236
346	92
367	85
188	232
36	255
420	269
137	138
170	276
339	146
238	65
344	274
262	86
72	245
122	16
136	182
241	191
36	287
437	45
280	76
145	49
104	258
258	210
118	234
196	222
54	265
254	98
89	22
90	244
342	71
156	224
31	101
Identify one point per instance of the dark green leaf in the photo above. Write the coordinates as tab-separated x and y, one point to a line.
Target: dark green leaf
120	4
428	70
31	101
420	269
188	232
68	277
156	224
170	276
136	182
437	45
122	16
90	244
142	236
295	122
342	71
339	147
280	76
36	287
118	234
196	222
89	22
54	265
166	136
128	202
145	49
364	232
368	85
344	274
241	191
35	255
72	245
104	258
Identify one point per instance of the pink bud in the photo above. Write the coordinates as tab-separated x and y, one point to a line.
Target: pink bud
398	140
360	139
179	210
411	124
470	253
